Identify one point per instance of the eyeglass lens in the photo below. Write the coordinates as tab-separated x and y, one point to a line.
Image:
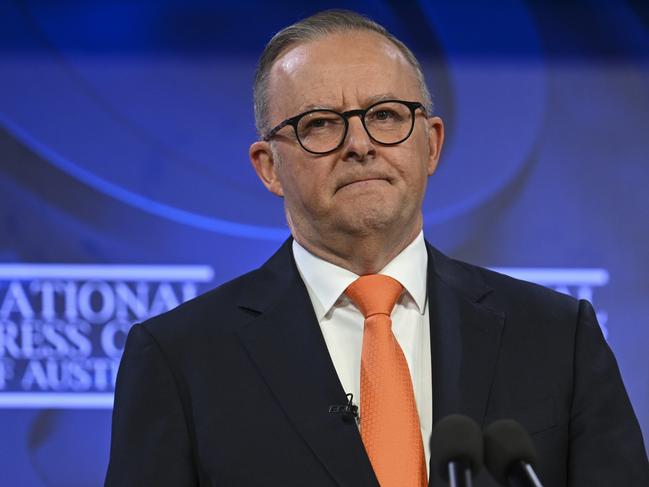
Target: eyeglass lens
386	123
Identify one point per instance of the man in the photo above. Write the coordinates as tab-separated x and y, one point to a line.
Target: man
237	386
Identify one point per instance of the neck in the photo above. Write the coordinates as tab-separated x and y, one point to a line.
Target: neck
360	254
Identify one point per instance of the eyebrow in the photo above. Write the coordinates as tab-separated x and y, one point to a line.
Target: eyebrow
382	97
369	101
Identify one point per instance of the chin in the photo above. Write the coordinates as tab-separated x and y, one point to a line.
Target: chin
371	220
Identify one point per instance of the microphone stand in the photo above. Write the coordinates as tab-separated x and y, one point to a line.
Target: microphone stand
523	475
455	479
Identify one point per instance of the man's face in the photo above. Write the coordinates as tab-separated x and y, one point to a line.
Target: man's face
363	186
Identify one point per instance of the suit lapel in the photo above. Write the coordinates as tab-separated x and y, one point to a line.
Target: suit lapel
465	338
286	344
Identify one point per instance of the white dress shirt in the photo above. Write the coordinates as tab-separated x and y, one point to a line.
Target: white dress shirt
342	323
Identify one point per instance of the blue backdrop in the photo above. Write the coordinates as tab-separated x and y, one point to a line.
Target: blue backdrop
124	179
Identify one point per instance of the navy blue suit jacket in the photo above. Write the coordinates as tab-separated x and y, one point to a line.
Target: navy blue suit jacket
233	388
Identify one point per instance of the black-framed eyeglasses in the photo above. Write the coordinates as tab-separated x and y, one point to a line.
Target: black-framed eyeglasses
321	131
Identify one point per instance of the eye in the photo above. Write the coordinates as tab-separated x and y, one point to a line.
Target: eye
384	114
317	123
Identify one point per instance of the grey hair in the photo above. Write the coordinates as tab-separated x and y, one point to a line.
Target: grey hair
313	28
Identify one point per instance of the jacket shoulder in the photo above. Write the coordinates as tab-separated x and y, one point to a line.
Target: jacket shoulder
215	311
501	291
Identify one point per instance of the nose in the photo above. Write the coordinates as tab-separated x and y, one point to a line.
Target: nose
357	145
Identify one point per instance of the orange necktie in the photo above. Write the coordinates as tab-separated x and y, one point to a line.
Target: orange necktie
389	420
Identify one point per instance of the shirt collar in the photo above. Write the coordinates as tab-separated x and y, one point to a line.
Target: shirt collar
326	281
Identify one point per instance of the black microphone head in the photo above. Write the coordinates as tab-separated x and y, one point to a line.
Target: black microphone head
506	443
456	438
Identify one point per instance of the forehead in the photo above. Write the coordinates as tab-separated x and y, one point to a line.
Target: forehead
339	71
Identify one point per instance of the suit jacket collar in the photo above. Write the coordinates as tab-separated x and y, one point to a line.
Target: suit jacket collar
285	342
465	337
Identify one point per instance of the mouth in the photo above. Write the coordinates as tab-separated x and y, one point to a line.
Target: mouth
362	182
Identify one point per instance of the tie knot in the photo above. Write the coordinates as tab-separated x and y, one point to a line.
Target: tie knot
374	294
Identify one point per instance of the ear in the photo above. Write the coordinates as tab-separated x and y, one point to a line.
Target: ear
261	157
435	142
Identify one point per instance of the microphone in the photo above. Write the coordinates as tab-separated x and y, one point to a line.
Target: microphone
349	411
456	450
510	455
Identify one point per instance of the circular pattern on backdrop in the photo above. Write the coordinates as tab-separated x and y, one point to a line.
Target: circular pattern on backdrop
498	103
142	130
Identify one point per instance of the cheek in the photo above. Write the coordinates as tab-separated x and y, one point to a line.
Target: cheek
420	160
413	167
303	185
